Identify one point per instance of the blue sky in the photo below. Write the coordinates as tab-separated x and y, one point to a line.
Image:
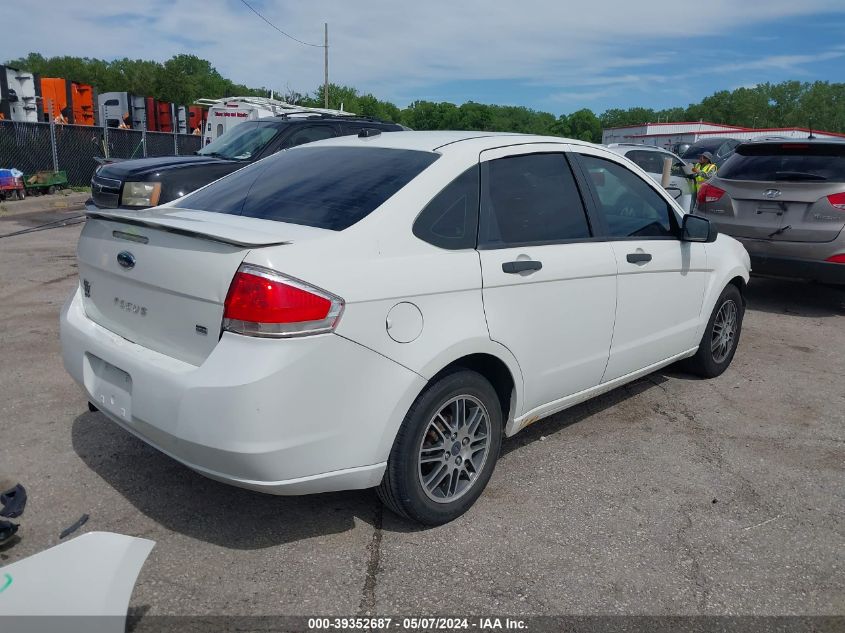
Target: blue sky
683	69
553	56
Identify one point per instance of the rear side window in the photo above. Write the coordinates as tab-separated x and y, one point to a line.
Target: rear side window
450	220
530	199
308	134
630	206
324	187
354	128
796	162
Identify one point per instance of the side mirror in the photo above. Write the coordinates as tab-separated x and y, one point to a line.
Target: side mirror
698	229
687	169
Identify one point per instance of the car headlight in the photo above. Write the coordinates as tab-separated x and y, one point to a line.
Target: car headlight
140	194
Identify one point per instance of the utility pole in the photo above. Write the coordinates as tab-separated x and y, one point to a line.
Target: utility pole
326	65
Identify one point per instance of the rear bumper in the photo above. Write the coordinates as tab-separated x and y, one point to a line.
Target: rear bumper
293	416
796	268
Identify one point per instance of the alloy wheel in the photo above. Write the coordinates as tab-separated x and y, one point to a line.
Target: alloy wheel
724	331
454	449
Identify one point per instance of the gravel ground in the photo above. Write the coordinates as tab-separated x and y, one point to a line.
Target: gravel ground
670	496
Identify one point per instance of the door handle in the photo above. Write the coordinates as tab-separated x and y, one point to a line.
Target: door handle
639	258
521	265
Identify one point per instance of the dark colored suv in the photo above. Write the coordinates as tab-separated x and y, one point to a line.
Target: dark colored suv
146	182
785	201
720	147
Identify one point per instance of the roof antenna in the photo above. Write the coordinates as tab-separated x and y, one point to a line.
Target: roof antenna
811	131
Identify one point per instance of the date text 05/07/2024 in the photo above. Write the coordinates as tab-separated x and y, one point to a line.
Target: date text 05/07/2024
417	624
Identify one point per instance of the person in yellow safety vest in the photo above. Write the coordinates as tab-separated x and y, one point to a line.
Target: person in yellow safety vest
124	122
704	169
197	131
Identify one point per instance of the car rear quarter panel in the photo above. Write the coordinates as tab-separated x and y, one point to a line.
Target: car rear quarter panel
378	263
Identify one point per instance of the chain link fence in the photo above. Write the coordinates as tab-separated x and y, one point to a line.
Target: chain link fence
25	146
76	149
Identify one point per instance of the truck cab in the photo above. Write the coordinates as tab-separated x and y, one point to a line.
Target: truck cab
147	182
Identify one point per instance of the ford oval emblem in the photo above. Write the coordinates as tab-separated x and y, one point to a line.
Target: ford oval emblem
126	260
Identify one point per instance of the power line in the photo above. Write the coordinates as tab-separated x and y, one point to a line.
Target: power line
251	8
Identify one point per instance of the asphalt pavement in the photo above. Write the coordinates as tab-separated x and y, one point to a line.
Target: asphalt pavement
670	496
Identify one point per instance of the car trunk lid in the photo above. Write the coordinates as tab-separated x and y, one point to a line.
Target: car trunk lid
796	212
780	191
159	278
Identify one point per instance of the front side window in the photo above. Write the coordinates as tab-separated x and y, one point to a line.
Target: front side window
450	220
530	199
629	205
324	187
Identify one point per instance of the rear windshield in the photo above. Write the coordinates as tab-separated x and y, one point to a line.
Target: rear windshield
710	145
324	187
796	162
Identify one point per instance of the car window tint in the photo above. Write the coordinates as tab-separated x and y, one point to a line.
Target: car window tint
652	162
354	127
308	134
708	145
243	142
797	162
530	199
324	187
630	206
450	220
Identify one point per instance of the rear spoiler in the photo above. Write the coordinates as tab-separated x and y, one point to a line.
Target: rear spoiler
206	230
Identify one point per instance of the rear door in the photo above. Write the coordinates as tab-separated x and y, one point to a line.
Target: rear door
661	280
549	288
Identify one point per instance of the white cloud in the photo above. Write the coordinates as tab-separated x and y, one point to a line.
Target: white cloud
781	62
394	48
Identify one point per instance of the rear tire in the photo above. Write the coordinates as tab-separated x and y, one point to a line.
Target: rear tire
51	190
445	450
721	336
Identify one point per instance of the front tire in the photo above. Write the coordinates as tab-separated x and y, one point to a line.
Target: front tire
445	450
721	336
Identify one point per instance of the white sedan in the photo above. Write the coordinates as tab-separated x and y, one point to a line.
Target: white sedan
381	310
651	159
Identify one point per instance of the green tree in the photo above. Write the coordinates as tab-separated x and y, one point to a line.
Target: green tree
184	78
585	125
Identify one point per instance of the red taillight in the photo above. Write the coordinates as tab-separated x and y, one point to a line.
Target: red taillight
837	259
837	200
709	193
262	302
